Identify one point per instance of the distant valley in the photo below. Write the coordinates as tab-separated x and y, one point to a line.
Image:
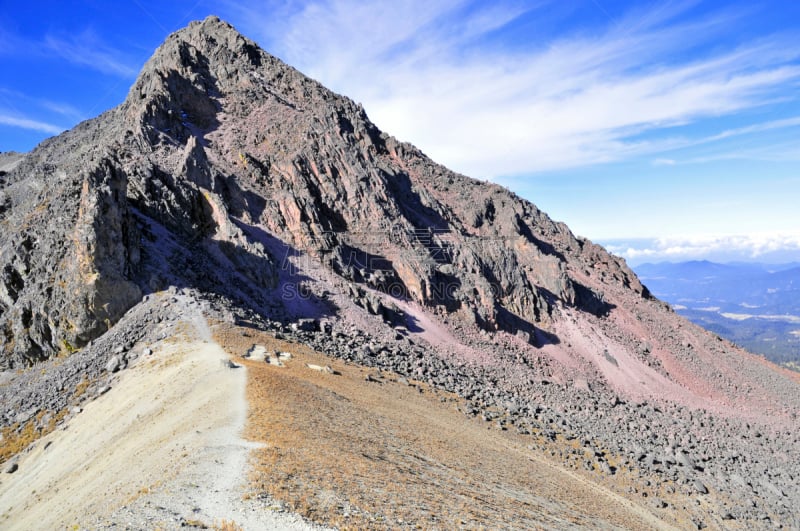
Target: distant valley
754	305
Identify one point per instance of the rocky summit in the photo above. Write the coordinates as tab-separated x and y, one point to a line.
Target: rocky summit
231	180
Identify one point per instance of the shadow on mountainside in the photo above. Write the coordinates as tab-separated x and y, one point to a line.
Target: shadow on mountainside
411	205
270	284
293	290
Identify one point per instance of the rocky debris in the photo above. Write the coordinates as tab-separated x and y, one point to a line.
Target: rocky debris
699	487
114	364
10	160
64	384
275	361
586	418
11	467
637	433
668	443
229	364
257	353
327	369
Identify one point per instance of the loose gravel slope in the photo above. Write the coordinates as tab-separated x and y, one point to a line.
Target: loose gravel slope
161	449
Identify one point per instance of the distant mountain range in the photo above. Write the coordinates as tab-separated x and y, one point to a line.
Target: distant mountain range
755	305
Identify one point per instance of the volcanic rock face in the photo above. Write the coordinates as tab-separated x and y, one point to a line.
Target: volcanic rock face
231	174
215	138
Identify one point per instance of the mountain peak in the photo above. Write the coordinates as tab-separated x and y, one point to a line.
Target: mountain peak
194	71
219	142
217	46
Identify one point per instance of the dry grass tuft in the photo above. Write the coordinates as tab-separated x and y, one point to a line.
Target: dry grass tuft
225	525
16	438
81	388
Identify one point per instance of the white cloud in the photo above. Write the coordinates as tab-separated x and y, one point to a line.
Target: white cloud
14	99
664	162
27	123
793	121
488	111
794	319
63	109
10	114
679	248
87	49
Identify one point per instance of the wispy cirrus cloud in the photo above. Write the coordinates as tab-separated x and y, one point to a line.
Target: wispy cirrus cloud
28	123
788	148
664	162
431	73
88	50
16	99
9	42
63	109
39	112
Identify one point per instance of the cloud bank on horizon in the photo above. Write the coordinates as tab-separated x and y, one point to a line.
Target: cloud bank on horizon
766	248
623	119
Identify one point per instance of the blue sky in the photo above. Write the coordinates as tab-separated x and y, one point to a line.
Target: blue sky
667	130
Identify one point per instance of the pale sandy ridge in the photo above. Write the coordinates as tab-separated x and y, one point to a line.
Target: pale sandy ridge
161	447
